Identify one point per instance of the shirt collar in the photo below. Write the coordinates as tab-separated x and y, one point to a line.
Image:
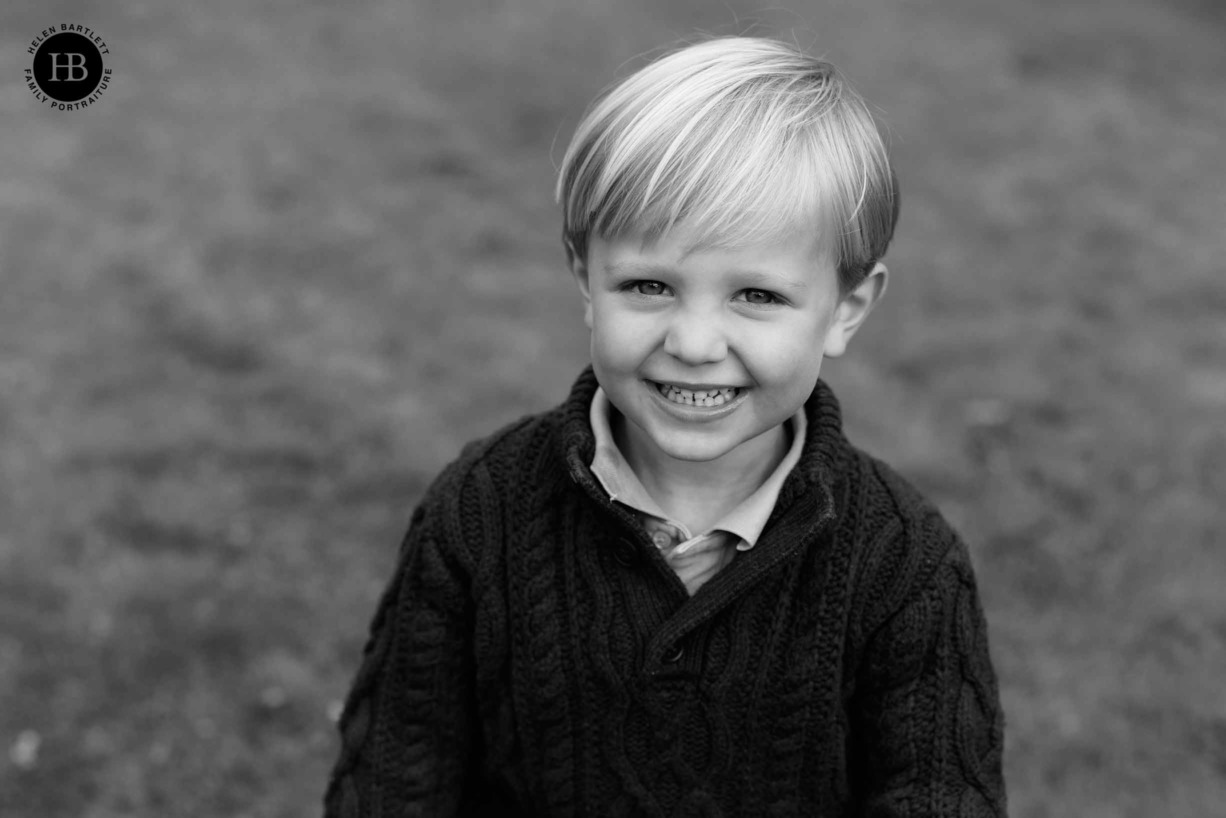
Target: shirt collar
746	520
810	498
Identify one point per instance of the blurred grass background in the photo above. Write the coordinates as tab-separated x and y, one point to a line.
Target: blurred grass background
298	253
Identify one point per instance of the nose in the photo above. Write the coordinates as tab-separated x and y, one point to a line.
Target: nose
696	337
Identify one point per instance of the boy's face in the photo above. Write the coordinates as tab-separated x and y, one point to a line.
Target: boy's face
755	320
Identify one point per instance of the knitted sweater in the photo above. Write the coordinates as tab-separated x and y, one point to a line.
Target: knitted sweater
535	655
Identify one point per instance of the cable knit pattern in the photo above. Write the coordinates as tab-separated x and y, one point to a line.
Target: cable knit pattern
535	655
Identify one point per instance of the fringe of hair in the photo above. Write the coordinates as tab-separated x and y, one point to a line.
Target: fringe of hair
743	139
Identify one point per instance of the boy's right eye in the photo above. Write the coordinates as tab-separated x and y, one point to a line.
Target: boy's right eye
646	287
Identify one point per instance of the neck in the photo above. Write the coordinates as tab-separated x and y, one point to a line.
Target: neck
699	492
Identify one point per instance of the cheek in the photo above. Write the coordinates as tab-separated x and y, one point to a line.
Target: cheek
617	339
787	379
783	356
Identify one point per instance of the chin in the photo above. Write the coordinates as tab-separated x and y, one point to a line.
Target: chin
694	451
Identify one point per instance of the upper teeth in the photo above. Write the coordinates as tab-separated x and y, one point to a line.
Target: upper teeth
676	393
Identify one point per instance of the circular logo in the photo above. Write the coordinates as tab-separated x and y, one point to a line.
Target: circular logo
67	71
68	67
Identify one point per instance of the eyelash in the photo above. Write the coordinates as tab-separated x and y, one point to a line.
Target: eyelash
632	287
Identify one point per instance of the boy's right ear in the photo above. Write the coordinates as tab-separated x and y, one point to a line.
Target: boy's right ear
578	268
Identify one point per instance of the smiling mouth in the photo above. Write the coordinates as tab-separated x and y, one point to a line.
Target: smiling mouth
701	397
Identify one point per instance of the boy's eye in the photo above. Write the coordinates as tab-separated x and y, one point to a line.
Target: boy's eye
761	297
646	287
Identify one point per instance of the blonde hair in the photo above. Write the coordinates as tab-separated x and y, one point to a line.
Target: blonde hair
744	139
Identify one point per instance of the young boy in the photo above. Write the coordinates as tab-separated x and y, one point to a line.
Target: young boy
682	592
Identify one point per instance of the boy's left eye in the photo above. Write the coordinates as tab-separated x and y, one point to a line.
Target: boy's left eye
761	297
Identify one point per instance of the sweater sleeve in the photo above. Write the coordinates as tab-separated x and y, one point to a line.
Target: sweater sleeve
408	726
927	722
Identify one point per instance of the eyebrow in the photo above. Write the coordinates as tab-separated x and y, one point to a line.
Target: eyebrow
768	280
636	268
750	276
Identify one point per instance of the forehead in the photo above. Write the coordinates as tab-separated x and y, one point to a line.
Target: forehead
794	254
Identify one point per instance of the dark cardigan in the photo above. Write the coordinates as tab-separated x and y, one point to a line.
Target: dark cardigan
535	655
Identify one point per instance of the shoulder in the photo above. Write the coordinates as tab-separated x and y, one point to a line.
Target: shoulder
515	464
502	454
903	543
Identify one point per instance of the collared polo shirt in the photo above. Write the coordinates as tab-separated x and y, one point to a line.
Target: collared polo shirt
694	557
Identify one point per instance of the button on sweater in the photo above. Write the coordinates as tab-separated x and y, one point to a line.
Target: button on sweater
534	654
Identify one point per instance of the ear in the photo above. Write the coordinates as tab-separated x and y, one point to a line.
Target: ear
579	269
853	309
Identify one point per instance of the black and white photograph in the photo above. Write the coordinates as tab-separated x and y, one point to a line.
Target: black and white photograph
667	409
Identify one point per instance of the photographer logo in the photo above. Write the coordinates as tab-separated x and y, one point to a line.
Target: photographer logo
68	71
